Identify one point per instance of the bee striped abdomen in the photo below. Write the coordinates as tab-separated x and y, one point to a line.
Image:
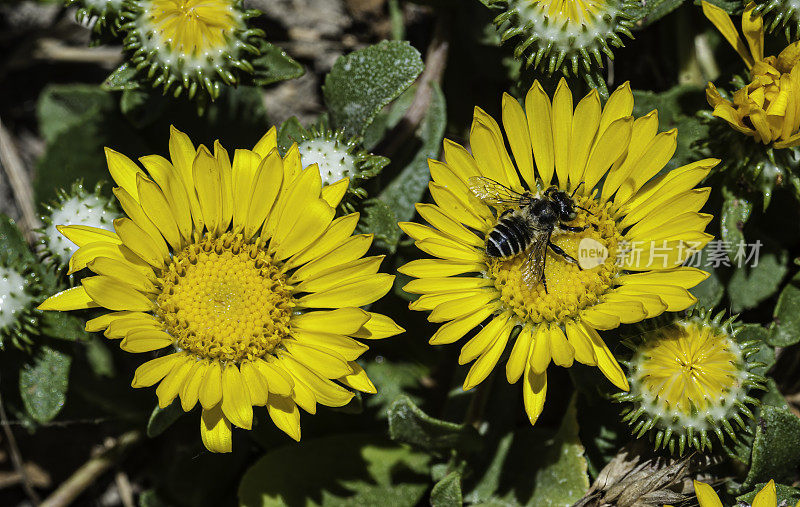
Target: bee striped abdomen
509	237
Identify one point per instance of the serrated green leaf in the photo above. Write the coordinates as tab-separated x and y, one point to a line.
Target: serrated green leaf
380	220
776	447
786	325
349	469
750	285
410	425
162	418
43	384
407	189
273	65
447	492
360	84
393	379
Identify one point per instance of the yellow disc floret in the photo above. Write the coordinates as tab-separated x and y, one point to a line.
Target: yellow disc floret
192	27
225	299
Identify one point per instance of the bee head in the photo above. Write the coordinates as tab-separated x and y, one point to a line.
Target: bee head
563	202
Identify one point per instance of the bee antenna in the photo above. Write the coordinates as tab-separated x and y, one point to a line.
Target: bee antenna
576	189
584	209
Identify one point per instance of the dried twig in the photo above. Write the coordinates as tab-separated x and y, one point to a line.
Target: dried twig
20	183
91	470
16	457
124	489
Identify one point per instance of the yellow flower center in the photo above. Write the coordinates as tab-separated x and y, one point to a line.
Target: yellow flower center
226	299
576	11
569	288
192	27
688	366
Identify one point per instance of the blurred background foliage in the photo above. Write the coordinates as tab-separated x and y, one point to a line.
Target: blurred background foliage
67	403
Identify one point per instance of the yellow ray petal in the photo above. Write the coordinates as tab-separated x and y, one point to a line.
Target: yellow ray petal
487	361
706	496
562	127
83	235
114	295
235	398
516	128
159	211
154	370
207	186
540	126
333	193
75	298
172	384
611	144
124	171
283	412
190	393
484	339
167	178
585	121
256	384
141	243
337	233
211	389
378	327
534	391
215	430
266	185
753	28
723	22
342	321
358	380
518	360
456	329
312	222
357	292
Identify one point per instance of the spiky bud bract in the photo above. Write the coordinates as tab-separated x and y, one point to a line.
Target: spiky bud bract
78	206
19	294
572	39
190	47
104	17
336	155
690	381
783	14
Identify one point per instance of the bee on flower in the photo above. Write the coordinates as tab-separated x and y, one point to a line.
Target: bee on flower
252	300
560	152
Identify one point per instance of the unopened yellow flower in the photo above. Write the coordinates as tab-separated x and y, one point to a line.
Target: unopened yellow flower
224	263
768	108
639	229
767	497
690	380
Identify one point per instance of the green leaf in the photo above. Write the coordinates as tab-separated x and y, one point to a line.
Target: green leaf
360	84
291	130
43	384
447	492
408	188
64	107
776	448
710	291
274	65
786	325
99	357
410	425
121	79
63	326
556	476
163	418
348	469
393	379
765	354
787	495
651	11
735	213
380	220
750	285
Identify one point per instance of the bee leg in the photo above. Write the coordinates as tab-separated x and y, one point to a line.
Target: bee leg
560	251
571	228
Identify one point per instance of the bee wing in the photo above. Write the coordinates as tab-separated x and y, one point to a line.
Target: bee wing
494	193
533	266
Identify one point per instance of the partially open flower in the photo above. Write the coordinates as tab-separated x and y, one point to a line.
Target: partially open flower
767	497
767	108
567	35
240	271
689	380
191	45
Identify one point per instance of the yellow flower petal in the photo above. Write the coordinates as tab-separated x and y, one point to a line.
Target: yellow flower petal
114	295
165	175
206	178
141	243
656	155
753	28
75	298
337	233
267	143
215	430
445	284
147	340
261	197
540	355
211	389
190	393
516	128
358	380
312	222
723	22
706	496
469	303
534	391
351	249
484	339
538	110
235	398
325	391
489	150
605	359
120	270
356	292
172	384
246	165
153	371
136	214
182	153
226	184
346	347
102	322
487	361
283	412
586	119
278	381
767	497
124	171
612	143
618	105
561	350
441	221
342	321
518	360
325	361
562	127
456	329
83	235
423	268
378	327
256	384
333	193
158	210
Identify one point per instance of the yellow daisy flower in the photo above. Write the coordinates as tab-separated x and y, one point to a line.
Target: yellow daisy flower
224	263
767	497
767	108
640	228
